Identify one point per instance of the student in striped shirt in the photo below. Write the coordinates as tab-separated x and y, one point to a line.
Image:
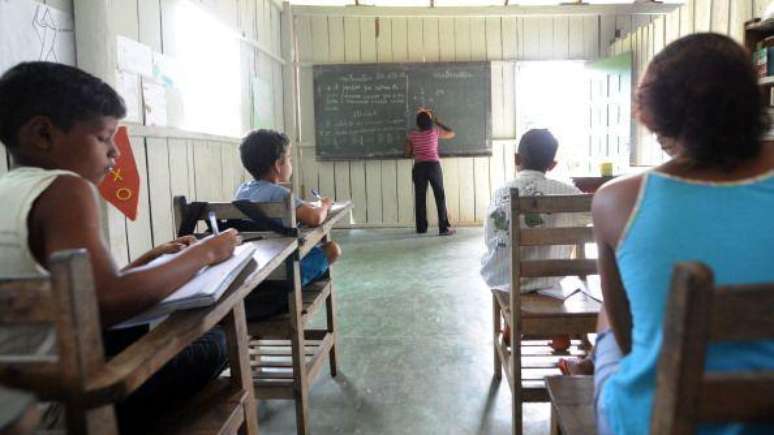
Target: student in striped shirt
422	144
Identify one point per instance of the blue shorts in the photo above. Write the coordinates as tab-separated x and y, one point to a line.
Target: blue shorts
607	357
313	266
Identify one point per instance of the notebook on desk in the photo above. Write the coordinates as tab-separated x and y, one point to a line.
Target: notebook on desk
572	285
204	289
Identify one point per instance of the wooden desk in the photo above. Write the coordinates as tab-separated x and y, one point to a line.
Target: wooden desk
18	412
590	184
311	236
131	368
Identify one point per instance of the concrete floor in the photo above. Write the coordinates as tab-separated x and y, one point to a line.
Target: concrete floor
415	349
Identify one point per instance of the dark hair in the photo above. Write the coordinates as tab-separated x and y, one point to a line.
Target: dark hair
62	93
537	149
424	121
260	149
703	91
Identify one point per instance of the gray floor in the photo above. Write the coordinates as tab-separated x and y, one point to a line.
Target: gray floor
415	351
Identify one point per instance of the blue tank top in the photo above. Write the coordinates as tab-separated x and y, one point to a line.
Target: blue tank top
728	226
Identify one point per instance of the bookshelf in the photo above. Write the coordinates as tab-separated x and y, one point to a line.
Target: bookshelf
755	31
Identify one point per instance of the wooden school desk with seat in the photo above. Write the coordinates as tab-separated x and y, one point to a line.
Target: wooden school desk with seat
286	357
537	316
65	363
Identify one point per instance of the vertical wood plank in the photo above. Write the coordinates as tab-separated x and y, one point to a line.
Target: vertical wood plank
496	168
545	37
576	47
405	187
159	190
741	11
591	36
721	16
119	245
659	35
462	52
149	13
687	18
478	45
126	22
178	169
607	34
561	42
336	54
449	165
760	7
139	232
373	183
671	27
481	176
510	37
388	184
430	41
703	15
624	24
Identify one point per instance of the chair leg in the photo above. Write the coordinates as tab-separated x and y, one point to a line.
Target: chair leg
497	322
330	308
239	361
301	387
515	367
298	351
554	422
82	421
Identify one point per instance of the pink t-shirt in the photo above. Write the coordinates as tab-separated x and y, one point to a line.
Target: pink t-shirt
425	144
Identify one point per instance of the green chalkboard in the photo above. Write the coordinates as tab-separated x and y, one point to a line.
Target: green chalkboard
365	111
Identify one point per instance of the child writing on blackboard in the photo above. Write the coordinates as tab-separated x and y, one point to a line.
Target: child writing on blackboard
266	156
422	145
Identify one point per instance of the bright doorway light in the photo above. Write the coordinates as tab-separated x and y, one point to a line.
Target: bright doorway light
554	95
208	55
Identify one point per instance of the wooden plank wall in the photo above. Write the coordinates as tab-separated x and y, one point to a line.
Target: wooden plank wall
382	189
201	167
721	16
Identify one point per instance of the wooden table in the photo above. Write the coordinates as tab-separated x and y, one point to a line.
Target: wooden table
18	412
311	236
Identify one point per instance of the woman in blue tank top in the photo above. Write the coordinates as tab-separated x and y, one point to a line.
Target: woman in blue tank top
712	204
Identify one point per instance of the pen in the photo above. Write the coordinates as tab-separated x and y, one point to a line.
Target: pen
316	194
213	222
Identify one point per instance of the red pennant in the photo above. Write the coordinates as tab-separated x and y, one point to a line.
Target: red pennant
121	186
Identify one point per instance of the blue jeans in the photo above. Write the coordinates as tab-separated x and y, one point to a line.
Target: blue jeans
607	357
313	266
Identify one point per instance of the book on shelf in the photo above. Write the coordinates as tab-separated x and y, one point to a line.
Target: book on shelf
204	289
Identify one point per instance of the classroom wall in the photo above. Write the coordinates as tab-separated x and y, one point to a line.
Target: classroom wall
200	166
382	190
721	16
175	162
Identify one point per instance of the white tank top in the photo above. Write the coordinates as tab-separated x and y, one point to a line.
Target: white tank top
19	189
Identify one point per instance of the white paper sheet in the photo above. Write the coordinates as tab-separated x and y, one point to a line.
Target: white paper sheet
155	103
134	57
128	85
33	31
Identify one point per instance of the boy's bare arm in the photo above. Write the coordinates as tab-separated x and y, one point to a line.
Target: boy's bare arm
66	216
314	216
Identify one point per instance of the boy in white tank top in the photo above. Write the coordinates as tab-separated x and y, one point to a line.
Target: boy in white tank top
57	123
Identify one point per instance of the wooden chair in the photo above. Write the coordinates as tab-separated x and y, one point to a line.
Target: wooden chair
52	346
286	356
538	316
699	313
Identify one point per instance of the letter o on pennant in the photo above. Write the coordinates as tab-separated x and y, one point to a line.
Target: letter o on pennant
124	194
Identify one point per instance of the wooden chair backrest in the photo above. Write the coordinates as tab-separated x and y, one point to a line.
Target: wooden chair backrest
58	318
283	211
546	236
697	314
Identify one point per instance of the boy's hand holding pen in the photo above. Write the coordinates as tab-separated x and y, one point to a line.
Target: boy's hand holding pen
324	201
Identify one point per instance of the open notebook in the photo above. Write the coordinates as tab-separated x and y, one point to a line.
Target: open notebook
571	285
205	288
